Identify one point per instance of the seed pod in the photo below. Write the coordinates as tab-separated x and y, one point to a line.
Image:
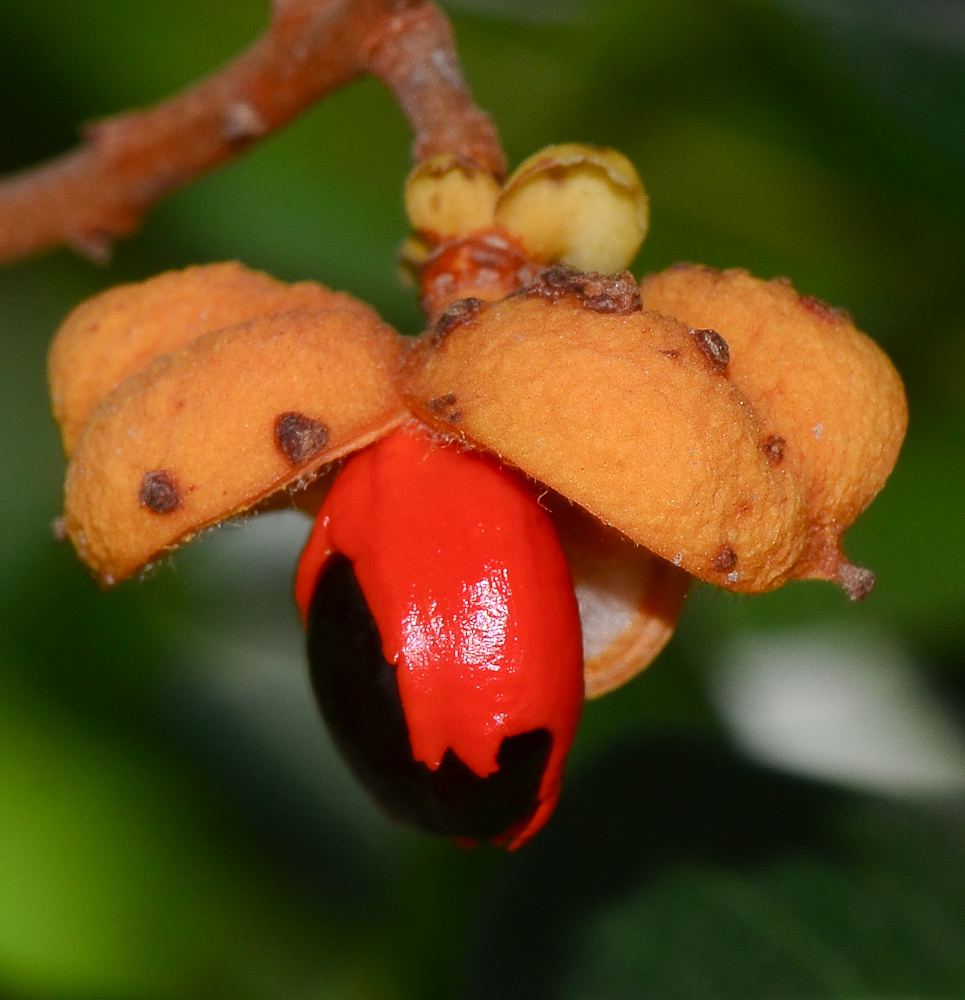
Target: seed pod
121	331
221	424
625	412
831	405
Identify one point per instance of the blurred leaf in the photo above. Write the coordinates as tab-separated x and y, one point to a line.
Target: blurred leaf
674	870
115	881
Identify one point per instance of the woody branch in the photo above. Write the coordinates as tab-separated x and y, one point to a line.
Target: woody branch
101	190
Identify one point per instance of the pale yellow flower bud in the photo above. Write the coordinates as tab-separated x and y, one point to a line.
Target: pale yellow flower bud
446	197
581	205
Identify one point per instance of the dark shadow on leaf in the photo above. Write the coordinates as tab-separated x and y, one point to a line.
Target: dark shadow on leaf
645	809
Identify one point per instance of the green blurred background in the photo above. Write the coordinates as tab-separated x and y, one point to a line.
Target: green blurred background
774	810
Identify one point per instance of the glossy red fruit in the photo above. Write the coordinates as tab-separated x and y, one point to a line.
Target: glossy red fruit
444	637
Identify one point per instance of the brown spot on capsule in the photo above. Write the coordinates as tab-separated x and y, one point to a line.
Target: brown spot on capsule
159	492
713	346
773	448
617	294
819	308
856	581
444	407
299	437
725	559
461	311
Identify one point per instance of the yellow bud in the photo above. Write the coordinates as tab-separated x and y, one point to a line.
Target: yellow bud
449	197
412	255
581	205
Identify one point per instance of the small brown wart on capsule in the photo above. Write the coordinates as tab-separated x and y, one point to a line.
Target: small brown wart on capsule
617	294
159	492
773	448
299	437
713	347
726	559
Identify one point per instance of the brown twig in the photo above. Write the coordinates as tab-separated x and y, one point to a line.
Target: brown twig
416	58
100	191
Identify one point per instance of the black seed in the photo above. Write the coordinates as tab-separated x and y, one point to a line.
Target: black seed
358	694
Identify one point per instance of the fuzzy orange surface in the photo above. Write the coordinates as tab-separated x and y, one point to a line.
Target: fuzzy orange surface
715	426
216	426
629	414
827	397
124	329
